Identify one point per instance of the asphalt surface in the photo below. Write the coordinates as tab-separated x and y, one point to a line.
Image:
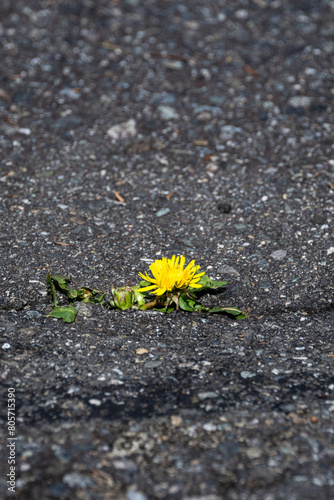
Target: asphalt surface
131	130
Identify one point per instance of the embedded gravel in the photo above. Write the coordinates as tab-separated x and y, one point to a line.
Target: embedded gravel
135	129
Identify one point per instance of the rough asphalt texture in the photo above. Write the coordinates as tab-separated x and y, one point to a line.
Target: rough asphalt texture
213	120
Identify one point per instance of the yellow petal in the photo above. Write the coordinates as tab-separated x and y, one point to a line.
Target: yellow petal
190	265
147	278
198	275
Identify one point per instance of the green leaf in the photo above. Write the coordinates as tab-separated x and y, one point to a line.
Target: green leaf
66	313
208	284
139	296
166	311
231	311
185	305
190	304
143	283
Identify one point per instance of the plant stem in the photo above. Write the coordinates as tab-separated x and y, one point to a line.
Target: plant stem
149	305
52	289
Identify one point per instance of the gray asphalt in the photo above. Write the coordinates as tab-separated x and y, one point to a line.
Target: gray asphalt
132	130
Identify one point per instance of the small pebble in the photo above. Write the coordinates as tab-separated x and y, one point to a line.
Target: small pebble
278	254
168	113
162	212
24	131
207	395
95	402
135	495
246	374
141	351
123	130
300	101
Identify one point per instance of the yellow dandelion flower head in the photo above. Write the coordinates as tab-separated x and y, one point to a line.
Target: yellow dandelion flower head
170	275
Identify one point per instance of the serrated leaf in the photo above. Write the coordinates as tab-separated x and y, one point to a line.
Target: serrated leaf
66	313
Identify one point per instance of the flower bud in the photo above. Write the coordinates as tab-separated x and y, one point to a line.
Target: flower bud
124	297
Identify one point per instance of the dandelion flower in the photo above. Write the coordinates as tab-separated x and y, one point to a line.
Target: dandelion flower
170	275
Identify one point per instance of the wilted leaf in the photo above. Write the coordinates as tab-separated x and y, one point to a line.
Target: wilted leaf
90	295
61	283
